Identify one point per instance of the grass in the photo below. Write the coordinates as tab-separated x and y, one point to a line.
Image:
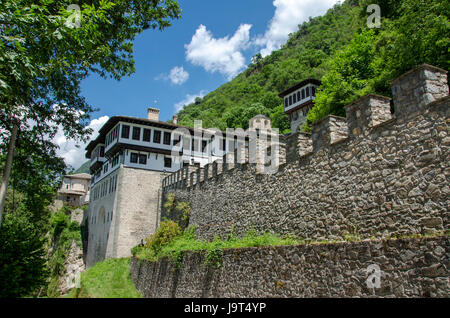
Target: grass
214	249
188	242
107	279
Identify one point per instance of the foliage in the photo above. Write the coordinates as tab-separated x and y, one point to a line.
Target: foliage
63	233
22	256
170	202
213	249
107	279
84	168
185	208
348	78
413	33
256	90
166	233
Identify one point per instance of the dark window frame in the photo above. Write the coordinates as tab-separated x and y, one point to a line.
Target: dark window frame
146	136
166	138
134	155
157	136
136	135
167	162
142	159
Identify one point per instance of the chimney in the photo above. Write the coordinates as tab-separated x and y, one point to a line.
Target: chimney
175	119
153	114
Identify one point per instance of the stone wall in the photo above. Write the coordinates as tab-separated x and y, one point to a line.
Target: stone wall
372	173
125	215
409	268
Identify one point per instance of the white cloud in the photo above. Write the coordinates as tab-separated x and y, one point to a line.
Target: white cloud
219	55
177	76
288	15
72	151
189	99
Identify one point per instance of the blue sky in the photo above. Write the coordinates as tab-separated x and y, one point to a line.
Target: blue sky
212	42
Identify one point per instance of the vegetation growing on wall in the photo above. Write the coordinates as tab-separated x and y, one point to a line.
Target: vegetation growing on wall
63	233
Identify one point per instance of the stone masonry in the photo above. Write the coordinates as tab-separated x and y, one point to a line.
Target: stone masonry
373	173
408	268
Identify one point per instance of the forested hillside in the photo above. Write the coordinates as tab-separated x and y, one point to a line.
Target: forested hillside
338	48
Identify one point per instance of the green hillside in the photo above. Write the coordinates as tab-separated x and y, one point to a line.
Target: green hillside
84	168
339	49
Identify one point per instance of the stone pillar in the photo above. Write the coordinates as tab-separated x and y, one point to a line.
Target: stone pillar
417	88
328	131
366	113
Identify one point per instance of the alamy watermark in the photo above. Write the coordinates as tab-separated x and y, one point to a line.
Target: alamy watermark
374	279
74	20
374	20
74	276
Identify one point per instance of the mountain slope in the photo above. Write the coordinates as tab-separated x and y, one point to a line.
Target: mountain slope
256	89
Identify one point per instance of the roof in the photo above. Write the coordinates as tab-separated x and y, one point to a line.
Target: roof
78	176
142	121
299	85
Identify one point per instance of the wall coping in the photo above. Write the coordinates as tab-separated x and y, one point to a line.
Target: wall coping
420	67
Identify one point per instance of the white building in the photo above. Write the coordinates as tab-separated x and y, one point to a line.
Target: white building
298	101
75	189
129	158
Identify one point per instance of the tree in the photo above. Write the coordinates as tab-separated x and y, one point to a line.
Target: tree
350	75
47	50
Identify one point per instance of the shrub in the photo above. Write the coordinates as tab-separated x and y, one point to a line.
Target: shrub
167	232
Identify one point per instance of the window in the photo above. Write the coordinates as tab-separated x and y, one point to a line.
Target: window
195	143
157	136
102	151
142	159
307	91
286	102
313	93
303	93
176	140
166	140
298	96
134	157
125	131
204	145
136	133
167	162
290	100
147	133
295	98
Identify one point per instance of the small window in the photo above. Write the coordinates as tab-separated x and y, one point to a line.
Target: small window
125	131
295	98
204	145
134	157
147	133
303	93
290	100
194	146
136	133
157	136
166	140
167	162
286	102
142	159
313	93
299	96
307	91
176	140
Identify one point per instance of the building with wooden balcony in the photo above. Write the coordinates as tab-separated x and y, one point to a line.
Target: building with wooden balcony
298	101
